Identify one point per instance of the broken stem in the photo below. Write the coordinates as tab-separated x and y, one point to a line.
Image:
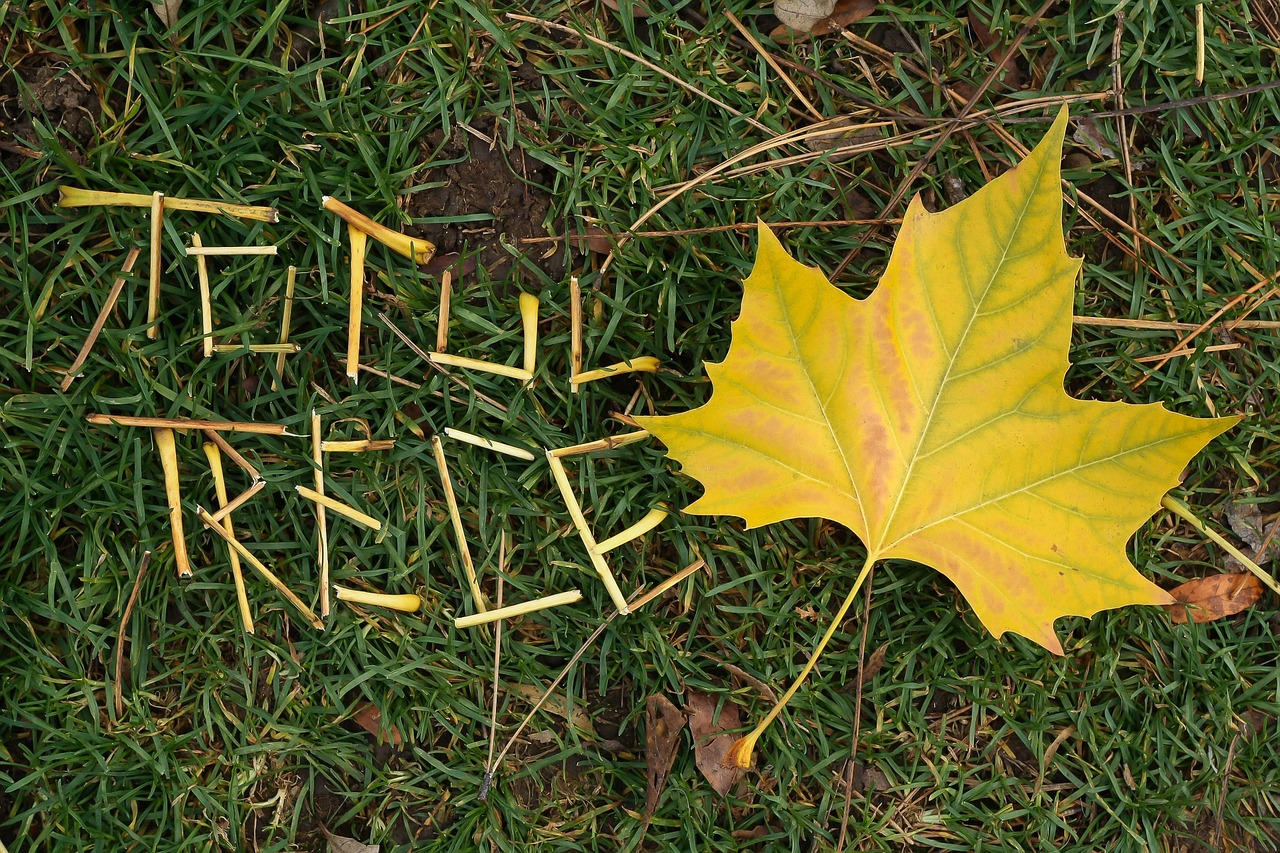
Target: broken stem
740	752
290	281
1184	512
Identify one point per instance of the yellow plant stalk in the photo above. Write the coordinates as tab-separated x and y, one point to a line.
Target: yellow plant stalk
157	243
173	493
451	500
206	306
606	443
237	575
359	445
285	322
489	444
79	197
240	500
281	349
102	419
641	364
584	533
575	331
225	251
359	241
513	610
110	303
407	603
529	323
267	575
476	364
442	323
317	457
340	508
635	531
414	248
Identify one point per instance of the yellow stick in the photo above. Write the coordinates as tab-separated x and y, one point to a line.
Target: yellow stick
92	337
489	444
220	488
641	364
241	499
513	610
199	250
173	493
358	445
258	565
413	248
225	447
529	323
78	197
358	244
437	447
340	508
285	323
408	602
185	423
606	443
283	349
477	364
1199	44
442	324
575	330
206	306
658	590
584	532
317	456
153	289
635	531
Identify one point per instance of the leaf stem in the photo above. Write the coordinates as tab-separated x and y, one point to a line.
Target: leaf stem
740	752
1184	512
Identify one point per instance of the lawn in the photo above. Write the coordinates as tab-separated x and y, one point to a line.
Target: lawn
532	143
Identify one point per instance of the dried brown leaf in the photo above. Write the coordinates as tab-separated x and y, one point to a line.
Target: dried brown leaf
710	743
344	844
844	13
369	718
576	716
663	722
1211	598
167	11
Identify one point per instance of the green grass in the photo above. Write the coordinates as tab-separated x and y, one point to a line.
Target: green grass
235	742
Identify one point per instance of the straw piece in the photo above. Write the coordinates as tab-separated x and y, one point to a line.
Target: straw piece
339	507
658	590
489	444
1199	44
513	610
642	364
285	322
173	493
206	306
407	602
529	323
477	364
584	532
414	248
103	419
317	457
92	337
442	324
241	499
78	197
283	349
258	565
575	330
220	489
225	447
437	447
606	443
208	251
358	445
359	241
635	531
153	288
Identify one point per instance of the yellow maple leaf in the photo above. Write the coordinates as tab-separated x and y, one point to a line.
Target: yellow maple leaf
930	418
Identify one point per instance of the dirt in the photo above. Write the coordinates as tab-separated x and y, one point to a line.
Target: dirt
42	88
501	184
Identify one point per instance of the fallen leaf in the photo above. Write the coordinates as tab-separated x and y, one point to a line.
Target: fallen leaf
167	11
930	417
369	718
639	9
1215	597
842	14
1248	522
710	743
344	844
1009	76
556	705
663	722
